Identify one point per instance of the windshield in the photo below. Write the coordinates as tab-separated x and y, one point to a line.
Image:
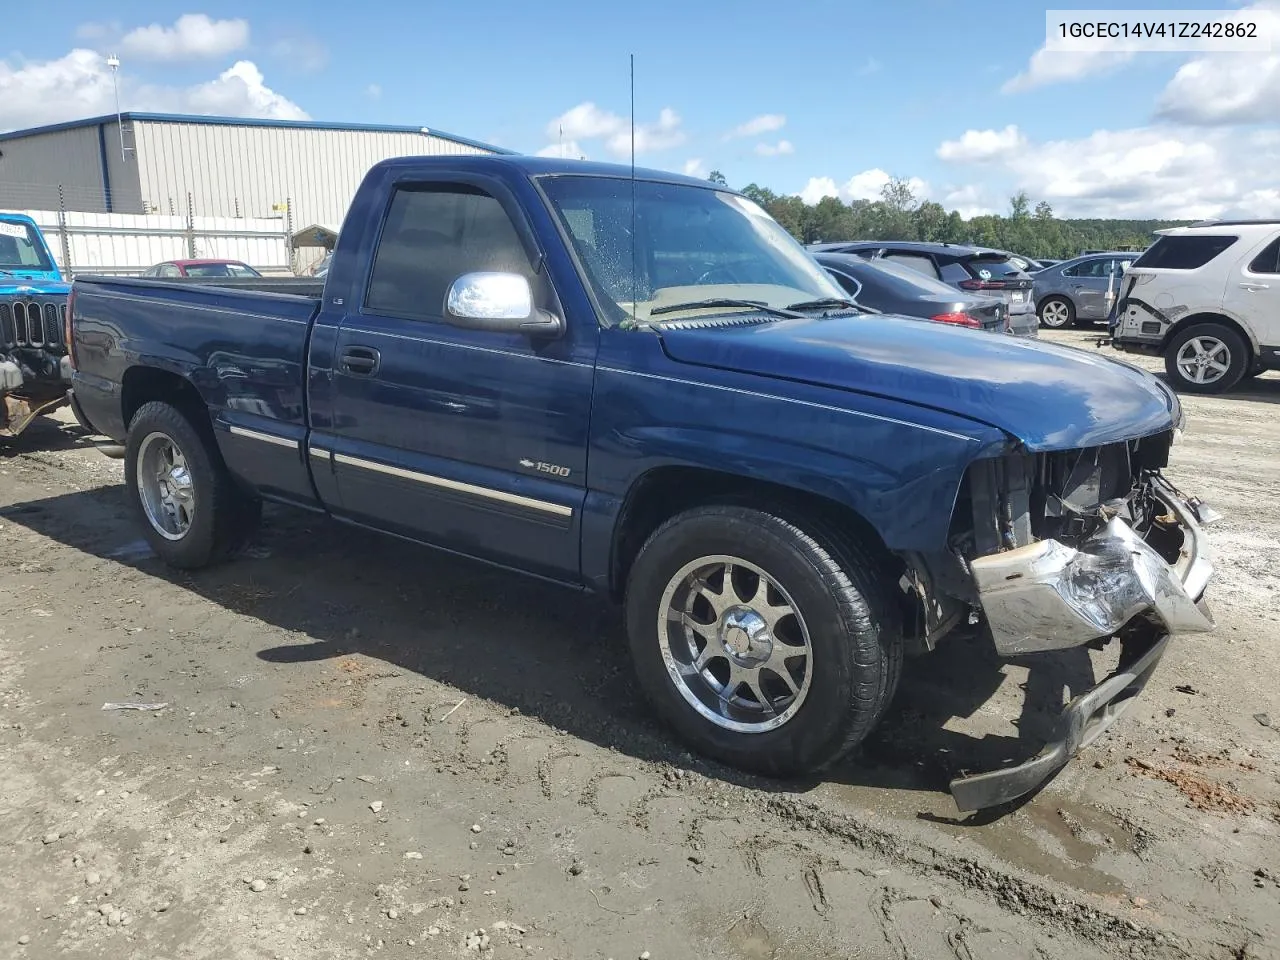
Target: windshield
691	244
21	248
220	270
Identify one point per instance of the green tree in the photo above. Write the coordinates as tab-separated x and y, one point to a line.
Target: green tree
930	221
1044	212
899	196
1019	205
716	177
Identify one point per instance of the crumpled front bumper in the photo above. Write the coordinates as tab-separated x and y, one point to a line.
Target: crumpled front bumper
1049	596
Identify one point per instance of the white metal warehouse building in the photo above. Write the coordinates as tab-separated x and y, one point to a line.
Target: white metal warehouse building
149	163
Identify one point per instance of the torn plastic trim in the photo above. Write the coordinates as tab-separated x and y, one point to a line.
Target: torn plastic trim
1051	596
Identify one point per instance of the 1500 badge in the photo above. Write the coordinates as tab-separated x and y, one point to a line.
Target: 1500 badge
551	468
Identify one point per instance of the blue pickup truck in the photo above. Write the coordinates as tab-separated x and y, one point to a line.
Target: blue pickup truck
643	386
34	367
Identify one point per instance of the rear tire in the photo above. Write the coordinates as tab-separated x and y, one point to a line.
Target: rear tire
839	639
191	511
1212	352
1057	313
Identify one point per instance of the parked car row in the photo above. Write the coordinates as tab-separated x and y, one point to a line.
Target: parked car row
988	273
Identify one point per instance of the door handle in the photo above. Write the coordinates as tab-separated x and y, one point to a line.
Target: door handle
1251	287
360	361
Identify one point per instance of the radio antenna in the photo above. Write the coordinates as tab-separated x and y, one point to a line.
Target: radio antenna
633	188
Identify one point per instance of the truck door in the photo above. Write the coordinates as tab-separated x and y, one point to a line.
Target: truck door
471	440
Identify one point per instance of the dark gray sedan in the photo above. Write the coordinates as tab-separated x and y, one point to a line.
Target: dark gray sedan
1079	291
888	287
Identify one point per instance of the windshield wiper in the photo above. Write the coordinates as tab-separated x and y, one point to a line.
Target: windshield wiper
824	302
759	305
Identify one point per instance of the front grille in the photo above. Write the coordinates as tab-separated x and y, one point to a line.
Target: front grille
32	324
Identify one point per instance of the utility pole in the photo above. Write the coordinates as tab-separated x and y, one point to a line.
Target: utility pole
114	63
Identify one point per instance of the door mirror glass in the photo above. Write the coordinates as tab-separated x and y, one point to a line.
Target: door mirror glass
490	296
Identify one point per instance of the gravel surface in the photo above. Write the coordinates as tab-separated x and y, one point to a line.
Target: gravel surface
371	750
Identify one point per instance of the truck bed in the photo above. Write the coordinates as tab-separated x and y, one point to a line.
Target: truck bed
241	344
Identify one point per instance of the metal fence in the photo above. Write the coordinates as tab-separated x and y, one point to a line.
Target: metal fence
124	243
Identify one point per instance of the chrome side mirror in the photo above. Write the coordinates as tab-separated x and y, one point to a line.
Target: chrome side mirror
499	302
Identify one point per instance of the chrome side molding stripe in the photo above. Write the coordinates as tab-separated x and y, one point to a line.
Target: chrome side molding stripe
444	483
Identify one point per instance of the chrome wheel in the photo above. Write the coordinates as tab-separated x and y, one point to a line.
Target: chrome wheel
164	486
1203	360
1055	314
735	644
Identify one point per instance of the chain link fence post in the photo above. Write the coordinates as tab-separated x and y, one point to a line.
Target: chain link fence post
288	233
62	232
191	228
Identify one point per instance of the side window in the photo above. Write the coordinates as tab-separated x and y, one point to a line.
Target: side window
914	261
1186	252
432	236
1268	261
169	270
1089	269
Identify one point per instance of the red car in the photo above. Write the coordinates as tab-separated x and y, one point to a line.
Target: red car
201	268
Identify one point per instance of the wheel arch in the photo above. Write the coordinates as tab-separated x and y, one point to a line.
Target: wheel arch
143	384
665	491
1211	316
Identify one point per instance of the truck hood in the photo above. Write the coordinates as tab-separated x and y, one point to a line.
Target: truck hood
1046	396
32	285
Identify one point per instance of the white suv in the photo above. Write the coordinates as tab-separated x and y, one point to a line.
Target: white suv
1206	297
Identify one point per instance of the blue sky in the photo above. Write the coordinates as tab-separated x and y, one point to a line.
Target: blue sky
827	97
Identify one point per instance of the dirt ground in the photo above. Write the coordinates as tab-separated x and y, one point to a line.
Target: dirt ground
371	750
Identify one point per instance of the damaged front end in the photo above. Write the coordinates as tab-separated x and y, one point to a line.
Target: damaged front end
1078	548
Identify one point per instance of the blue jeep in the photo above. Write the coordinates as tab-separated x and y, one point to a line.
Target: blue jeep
34	367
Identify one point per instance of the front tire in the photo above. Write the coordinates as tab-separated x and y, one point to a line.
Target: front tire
1206	358
1057	313
192	513
764	646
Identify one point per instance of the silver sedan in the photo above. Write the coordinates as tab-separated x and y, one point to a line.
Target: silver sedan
1079	291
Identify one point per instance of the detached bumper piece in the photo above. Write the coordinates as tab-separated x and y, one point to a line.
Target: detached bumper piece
1083	720
1051	596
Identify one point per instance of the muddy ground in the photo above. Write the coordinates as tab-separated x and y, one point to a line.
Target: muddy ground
371	750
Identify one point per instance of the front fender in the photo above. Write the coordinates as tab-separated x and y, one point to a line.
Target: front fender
898	467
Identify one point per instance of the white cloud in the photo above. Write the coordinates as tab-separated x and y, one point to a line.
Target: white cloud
866	185
979	145
765	123
78	85
373	91
569	150
587	121
968	201
694	167
1154	171
817	188
192	36
775	149
650	137
1226	88
1064	66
